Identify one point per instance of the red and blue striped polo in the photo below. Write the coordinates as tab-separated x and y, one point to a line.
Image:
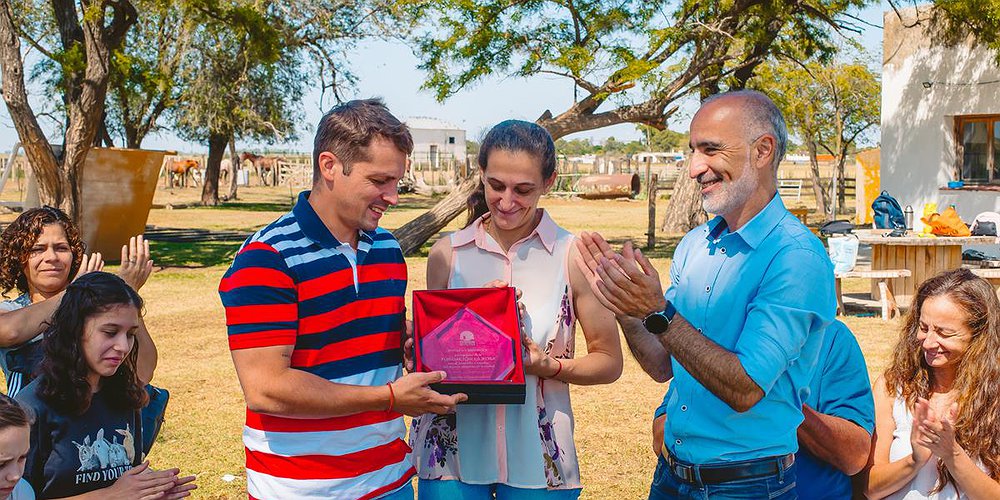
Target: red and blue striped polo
292	283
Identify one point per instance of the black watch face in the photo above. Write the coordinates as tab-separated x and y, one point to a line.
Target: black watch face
656	323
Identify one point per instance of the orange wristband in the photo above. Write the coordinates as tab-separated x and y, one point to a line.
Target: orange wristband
392	397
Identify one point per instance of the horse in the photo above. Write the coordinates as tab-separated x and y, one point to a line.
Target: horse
265	166
182	168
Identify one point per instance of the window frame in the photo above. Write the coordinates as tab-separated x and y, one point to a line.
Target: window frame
991	120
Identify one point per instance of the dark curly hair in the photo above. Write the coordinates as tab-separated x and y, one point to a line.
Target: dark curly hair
63	371
18	238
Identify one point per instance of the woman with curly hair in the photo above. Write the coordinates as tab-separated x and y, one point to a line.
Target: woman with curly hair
40	253
937	410
87	435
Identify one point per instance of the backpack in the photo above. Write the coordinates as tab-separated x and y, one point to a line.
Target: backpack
888	213
986	224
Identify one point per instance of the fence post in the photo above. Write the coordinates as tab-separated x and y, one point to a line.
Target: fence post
651	204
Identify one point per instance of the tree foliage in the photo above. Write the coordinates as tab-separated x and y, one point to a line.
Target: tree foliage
251	61
80	39
830	107
954	21
632	60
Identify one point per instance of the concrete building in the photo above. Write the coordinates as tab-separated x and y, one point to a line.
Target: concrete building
436	143
940	119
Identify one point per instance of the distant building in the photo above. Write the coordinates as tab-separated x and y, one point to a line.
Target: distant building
940	119
658	157
436	142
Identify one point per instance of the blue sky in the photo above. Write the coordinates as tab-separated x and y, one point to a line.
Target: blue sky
389	70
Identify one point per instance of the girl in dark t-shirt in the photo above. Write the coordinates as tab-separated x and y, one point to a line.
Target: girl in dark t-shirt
87	432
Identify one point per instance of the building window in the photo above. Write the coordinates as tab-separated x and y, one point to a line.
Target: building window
451	140
978	149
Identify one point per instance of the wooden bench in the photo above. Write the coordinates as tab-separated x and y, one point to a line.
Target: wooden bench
989	274
886	299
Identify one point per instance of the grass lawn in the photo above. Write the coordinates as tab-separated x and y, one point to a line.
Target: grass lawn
202	434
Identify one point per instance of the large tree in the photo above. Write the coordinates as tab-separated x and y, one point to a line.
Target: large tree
80	39
146	78
955	21
251	61
829	107
631	61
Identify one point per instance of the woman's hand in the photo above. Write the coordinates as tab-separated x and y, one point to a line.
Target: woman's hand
89	264
938	434
182	488
136	265
536	362
918	440
408	355
144	483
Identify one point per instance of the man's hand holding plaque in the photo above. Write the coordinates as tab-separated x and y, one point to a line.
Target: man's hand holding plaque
475	335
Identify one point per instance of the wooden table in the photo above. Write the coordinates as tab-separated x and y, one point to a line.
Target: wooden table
924	257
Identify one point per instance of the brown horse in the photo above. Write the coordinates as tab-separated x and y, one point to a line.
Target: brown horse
265	166
178	170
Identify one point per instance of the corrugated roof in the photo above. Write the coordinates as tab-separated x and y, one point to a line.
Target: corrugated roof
426	122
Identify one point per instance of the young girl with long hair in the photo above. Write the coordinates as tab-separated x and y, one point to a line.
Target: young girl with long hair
41	252
86	439
937	410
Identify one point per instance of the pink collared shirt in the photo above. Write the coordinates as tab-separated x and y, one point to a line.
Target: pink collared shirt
524	446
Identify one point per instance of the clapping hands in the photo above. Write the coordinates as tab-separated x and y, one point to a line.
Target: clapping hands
626	282
933	434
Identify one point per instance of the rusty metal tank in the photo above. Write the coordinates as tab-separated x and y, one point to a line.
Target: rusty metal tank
608	186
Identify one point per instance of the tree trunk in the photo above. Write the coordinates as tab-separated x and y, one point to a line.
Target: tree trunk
841	183
414	234
684	211
822	203
235	166
84	95
44	165
210	186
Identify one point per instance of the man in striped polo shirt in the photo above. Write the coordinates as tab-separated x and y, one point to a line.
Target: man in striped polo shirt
314	307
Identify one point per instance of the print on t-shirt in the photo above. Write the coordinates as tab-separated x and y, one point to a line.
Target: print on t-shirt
103	460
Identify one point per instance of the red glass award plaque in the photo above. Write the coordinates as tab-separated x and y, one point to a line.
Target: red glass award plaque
473	335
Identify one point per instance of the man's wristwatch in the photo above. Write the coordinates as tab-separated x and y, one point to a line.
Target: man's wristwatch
658	322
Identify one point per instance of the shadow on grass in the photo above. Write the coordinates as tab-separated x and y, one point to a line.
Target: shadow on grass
253	207
194	254
664	249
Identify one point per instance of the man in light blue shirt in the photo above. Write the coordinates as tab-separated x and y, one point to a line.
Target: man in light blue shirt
835	436
739	329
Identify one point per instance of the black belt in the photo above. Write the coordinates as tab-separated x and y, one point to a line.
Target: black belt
715	474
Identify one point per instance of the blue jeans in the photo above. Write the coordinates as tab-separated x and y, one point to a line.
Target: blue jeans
435	489
666	486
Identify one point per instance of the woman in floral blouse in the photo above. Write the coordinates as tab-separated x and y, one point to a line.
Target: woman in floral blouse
518	451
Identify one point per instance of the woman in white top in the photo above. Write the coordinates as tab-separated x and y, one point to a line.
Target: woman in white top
518	451
937	406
